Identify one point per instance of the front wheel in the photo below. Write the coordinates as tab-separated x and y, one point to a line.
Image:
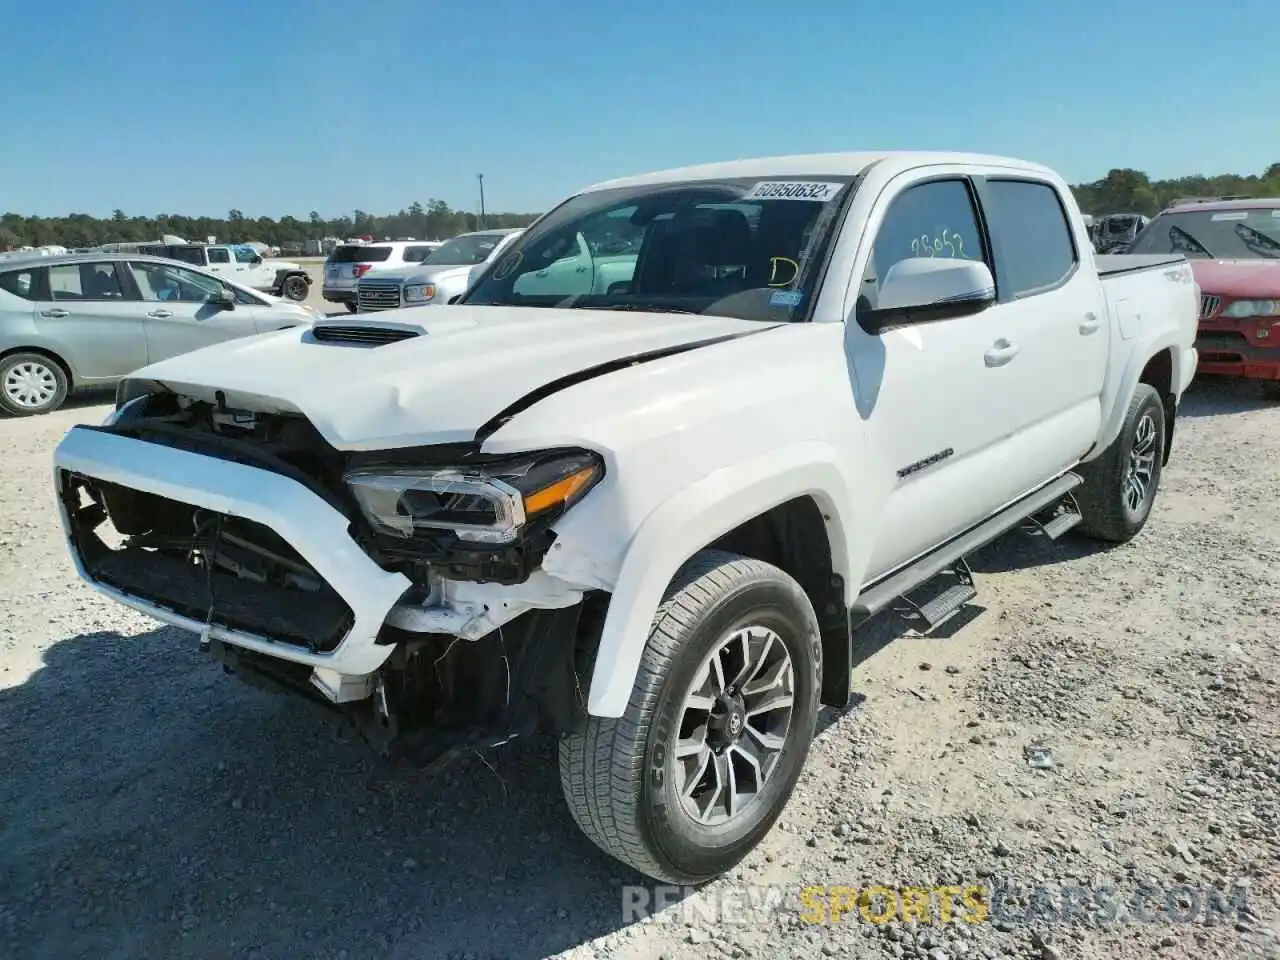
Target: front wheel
1120	484
294	288
31	384
1271	390
699	767
352	307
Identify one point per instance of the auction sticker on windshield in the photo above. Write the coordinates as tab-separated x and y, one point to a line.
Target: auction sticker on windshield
792	190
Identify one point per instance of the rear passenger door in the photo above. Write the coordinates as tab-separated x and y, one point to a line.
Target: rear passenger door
220	262
91	317
1053	300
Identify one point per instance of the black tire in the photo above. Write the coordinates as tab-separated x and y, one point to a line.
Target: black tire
295	288
32	368
1271	390
351	307
619	775
1104	501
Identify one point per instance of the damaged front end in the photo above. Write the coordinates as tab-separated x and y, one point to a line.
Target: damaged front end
400	592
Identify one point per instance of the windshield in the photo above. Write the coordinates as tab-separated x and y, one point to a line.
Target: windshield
465	251
741	248
359	253
1240	234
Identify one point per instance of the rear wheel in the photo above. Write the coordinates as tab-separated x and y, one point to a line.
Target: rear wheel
1271	389
1121	484
693	775
294	288
30	384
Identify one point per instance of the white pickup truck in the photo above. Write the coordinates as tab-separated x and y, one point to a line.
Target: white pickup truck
649	520
239	262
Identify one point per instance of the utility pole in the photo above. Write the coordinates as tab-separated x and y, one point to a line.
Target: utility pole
480	224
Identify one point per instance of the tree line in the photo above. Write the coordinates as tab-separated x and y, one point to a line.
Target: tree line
1120	191
435	220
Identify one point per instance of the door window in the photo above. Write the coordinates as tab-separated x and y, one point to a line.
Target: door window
416	254
935	219
163	282
85	281
21	283
247	255
219	255
1030	234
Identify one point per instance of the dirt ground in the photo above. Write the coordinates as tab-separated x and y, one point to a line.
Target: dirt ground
152	807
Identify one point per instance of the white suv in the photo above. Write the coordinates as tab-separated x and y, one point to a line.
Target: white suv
351	261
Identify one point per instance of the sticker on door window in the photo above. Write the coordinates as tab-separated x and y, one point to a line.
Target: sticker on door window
793	190
945	244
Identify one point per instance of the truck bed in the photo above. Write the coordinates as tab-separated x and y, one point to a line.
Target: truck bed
1111	264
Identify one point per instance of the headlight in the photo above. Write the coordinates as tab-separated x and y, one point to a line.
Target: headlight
419	292
1253	308
487	505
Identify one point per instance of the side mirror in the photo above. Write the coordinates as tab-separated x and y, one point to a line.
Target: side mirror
923	289
223	299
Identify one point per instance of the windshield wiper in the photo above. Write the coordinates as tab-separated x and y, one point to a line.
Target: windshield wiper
1258	242
639	308
1185	238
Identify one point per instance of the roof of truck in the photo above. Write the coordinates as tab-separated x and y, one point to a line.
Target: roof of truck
816	164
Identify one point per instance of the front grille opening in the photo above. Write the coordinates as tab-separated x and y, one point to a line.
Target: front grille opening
206	566
378	295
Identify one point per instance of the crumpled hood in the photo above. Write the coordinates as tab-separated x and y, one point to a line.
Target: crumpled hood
468	364
1248	279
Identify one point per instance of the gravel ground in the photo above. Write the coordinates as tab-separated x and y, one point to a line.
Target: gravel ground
151	807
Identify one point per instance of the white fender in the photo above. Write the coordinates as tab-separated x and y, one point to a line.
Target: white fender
686	522
1184	364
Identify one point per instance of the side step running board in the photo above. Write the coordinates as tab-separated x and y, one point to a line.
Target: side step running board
946	604
950	556
1067	517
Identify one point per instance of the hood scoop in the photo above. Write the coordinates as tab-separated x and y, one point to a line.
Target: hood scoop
361	334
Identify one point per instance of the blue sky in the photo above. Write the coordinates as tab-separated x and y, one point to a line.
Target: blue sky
285	106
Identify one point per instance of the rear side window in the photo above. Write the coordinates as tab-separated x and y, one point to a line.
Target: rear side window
360	253
21	283
191	255
85	281
1030	235
218	255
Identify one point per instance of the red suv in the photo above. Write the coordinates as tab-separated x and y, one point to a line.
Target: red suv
1234	249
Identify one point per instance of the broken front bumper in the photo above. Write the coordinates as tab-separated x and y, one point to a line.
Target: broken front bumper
309	525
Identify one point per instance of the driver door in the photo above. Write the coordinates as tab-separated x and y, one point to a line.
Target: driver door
178	317
252	271
570	275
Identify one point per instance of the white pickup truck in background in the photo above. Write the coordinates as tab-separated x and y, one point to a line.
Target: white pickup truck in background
241	263
650	520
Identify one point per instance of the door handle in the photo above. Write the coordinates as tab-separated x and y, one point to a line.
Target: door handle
1089	324
541	273
160	314
581	270
1001	352
55	312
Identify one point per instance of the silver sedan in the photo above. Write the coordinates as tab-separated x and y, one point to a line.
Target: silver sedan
90	319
